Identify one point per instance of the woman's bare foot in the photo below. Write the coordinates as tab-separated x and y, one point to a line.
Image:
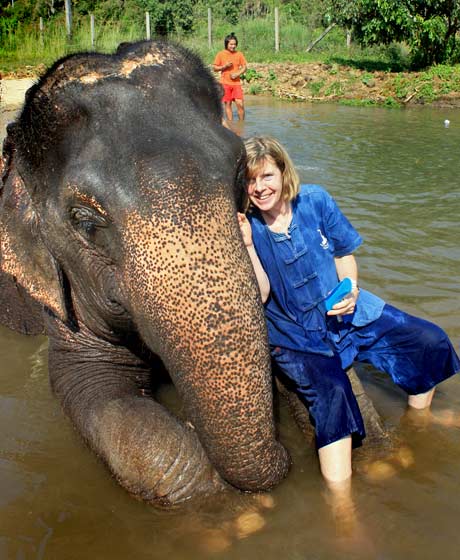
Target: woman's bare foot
351	533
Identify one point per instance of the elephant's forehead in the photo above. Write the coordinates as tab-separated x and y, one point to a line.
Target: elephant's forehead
125	69
78	69
182	242
175	217
150	59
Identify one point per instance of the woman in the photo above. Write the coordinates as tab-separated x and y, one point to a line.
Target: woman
305	246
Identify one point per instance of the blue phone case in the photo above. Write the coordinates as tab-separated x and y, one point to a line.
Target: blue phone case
338	293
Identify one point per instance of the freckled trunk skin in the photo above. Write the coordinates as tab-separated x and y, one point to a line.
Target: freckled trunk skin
197	305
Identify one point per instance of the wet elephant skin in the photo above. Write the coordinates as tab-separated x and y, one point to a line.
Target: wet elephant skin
118	215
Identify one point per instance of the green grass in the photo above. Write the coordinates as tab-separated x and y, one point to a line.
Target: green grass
27	48
256	40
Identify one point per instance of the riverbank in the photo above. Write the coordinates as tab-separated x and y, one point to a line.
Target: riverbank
317	82
321	82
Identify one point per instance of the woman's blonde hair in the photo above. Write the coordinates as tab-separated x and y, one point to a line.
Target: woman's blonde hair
258	149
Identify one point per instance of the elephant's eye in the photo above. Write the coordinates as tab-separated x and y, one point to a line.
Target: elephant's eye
87	221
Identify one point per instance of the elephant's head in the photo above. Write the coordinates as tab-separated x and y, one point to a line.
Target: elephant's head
119	216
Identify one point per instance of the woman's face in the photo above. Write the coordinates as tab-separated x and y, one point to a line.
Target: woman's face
231	45
265	187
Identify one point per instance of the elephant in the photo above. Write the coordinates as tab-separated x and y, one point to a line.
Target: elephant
119	241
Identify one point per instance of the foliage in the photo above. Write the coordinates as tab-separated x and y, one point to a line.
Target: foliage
232	10
251	75
166	16
428	26
24	48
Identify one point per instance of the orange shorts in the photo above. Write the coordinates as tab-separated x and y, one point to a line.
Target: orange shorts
231	93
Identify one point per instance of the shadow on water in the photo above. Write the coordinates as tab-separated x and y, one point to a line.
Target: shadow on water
395	174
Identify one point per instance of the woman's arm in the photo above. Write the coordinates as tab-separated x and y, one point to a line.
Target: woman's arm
221	67
346	266
261	275
239	72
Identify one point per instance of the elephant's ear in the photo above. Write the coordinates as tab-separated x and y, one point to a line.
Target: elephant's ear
23	254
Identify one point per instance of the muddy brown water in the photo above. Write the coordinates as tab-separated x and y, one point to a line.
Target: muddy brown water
395	174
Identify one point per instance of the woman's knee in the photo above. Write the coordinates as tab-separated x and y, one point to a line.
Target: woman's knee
338	386
433	336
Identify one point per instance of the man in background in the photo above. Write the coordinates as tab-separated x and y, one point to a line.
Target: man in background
231	64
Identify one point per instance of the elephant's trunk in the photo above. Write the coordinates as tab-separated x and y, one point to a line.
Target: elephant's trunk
192	292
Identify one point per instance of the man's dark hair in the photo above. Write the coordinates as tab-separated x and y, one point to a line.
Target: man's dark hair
229	38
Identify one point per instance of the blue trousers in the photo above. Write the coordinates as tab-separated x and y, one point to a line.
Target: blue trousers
416	353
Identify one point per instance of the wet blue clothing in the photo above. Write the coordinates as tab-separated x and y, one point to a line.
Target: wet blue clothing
302	272
313	349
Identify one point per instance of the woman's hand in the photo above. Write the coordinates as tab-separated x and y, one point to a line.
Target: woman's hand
245	228
261	275
347	305
346	267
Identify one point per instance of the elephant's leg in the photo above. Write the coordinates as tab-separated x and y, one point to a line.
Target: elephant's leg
376	432
375	428
101	388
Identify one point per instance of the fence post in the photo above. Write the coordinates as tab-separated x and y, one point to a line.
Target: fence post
348	38
93	35
209	28
68	18
320	38
147	25
40	26
277	30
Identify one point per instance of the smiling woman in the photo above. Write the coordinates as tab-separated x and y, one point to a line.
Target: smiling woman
265	190
305	247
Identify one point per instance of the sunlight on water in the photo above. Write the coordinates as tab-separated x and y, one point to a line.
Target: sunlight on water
395	174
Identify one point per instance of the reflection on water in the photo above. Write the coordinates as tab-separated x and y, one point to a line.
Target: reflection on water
395	174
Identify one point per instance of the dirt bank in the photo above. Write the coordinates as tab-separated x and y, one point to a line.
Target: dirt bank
336	83
317	82
12	92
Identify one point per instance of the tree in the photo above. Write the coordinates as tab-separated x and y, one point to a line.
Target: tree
428	26
168	16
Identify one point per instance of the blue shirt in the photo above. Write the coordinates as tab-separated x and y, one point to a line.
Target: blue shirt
302	272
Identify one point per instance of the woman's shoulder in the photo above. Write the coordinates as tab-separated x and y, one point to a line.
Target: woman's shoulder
312	194
255	217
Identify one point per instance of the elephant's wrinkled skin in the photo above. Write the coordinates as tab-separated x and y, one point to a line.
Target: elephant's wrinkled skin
118	216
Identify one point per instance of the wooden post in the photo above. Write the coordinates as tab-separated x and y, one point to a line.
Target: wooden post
323	34
277	30
93	35
348	38
68	18
147	25
209	29
41	31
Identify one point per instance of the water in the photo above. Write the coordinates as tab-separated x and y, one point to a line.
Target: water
395	175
